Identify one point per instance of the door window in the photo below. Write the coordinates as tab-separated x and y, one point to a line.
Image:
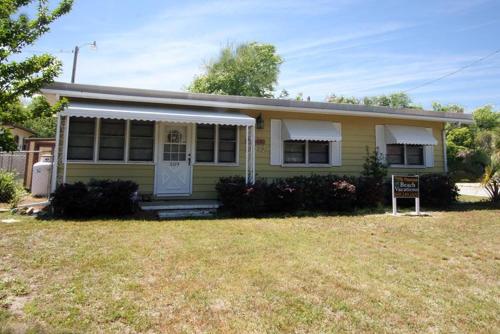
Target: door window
174	147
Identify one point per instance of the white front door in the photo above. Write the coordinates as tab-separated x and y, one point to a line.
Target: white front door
173	170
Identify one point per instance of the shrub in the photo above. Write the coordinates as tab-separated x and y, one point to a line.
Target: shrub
374	166
283	196
114	197
72	200
11	190
103	197
239	198
437	190
341	196
369	192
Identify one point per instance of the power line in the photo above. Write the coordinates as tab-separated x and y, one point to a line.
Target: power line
454	72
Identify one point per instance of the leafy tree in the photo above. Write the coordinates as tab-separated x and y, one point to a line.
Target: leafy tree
250	69
343	99
436	106
394	100
42	120
26	77
462	136
485	118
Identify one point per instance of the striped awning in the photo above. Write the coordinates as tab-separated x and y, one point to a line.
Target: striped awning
294	129
143	113
412	135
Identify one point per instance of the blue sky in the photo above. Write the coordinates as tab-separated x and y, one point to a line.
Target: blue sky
348	47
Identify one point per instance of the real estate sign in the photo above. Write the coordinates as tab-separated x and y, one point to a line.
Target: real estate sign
405	187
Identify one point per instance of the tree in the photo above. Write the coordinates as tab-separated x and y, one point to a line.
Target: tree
394	100
41	120
250	69
436	106
24	78
485	118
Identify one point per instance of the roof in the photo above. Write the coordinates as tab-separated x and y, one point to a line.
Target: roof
11	125
243	102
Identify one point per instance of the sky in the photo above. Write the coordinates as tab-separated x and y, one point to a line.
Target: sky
343	47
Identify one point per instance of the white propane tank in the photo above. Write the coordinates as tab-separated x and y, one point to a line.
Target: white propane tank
41	176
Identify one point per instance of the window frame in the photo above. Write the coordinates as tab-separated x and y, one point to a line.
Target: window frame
216	148
95	159
307	163
405	159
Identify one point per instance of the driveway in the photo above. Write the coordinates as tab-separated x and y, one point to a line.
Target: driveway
472	189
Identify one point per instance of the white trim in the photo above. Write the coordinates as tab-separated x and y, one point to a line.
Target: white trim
253	154
246	154
445	154
245	106
97	139
55	158
109	162
65	148
408	166
127	141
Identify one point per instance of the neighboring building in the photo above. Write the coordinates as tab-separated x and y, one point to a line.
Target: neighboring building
20	133
179	144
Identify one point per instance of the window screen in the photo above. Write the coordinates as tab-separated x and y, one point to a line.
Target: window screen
205	143
227	143
141	143
319	152
395	154
81	138
112	139
414	154
294	151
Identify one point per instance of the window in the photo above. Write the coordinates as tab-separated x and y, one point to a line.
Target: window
216	143
141	143
205	143
81	138
227	143
399	154
306	152
295	152
414	155
112	140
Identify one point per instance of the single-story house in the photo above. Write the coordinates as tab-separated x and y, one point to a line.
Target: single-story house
177	144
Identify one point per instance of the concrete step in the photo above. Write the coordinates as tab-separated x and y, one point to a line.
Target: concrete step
185	213
179	205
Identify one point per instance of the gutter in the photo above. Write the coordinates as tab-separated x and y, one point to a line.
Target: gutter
245	106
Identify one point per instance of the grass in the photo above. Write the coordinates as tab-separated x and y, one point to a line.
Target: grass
364	273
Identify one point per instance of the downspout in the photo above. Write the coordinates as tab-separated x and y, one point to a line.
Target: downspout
445	156
55	161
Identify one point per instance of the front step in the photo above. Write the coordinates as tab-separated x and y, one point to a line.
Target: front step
181	208
195	213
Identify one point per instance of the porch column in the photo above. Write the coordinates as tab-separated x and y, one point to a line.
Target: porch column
250	154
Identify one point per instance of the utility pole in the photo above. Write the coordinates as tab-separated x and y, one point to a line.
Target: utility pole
75	59
93	45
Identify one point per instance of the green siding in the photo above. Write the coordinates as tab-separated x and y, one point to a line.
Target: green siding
143	175
358	133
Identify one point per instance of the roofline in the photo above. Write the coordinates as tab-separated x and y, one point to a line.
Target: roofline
246	103
14	125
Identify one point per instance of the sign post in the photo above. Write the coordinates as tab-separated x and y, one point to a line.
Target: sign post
405	187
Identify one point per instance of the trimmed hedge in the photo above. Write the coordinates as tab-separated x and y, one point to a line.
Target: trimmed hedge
324	193
103	197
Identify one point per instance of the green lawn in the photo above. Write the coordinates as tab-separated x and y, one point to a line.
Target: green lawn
364	273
